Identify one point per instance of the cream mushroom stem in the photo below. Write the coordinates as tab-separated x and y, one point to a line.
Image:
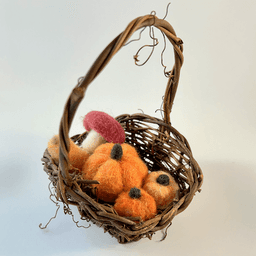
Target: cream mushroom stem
92	141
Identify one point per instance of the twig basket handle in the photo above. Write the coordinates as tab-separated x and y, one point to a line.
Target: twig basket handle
78	92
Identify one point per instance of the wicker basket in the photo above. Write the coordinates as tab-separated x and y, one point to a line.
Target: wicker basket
159	144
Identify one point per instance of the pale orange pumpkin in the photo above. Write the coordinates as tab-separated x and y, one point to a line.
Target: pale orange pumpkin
77	156
162	187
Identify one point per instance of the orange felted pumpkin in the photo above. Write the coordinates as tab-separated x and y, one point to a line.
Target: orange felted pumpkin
136	203
162	187
77	156
117	167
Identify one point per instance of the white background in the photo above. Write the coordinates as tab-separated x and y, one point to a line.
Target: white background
46	46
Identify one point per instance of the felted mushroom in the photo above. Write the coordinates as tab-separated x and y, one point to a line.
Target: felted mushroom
101	128
136	203
162	187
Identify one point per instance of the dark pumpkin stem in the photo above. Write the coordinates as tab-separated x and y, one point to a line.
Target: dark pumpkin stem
163	179
134	193
116	152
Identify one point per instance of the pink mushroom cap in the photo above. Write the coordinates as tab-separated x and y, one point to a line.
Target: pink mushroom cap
107	126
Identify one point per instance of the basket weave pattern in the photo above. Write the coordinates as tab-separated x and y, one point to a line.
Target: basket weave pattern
159	144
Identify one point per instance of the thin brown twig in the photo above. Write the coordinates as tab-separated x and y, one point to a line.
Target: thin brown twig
166	73
137	38
167	9
56	203
155	43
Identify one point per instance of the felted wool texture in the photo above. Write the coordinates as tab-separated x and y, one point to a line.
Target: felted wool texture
105	125
92	165
131	168
144	207
100	156
104	149
53	148
77	156
163	195
110	179
92	141
128	149
134	171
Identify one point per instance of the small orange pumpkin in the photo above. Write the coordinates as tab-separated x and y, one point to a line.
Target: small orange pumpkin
162	187
117	167
136	203
77	156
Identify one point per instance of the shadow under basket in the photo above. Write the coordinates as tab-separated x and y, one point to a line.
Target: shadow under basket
159	145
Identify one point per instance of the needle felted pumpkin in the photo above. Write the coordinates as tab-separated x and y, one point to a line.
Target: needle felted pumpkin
136	203
77	155
162	187
117	167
